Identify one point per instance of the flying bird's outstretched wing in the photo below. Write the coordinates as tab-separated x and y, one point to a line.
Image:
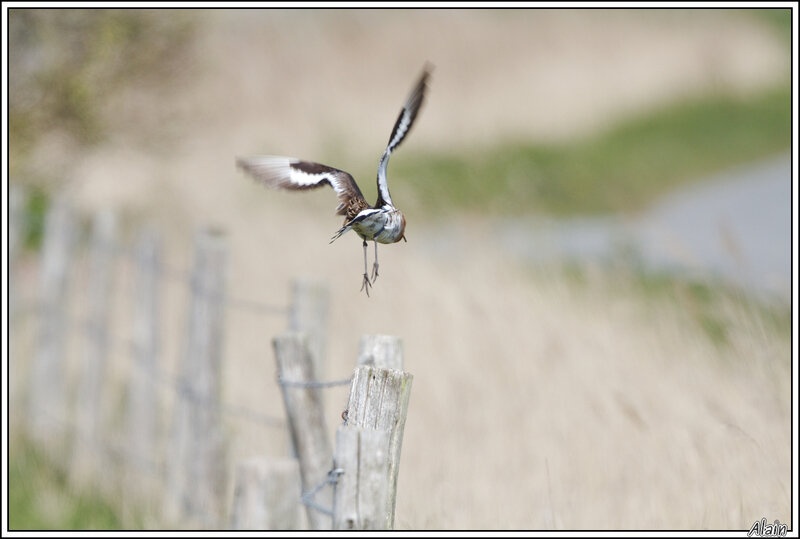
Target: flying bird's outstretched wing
401	128
290	173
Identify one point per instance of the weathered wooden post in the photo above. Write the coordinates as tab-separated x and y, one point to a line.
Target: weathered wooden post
87	456
304	409
361	493
198	462
143	402
266	495
46	405
375	420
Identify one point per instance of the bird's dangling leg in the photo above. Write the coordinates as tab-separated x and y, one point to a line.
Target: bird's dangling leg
375	264
365	284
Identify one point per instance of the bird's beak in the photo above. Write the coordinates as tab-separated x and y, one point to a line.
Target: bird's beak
404	238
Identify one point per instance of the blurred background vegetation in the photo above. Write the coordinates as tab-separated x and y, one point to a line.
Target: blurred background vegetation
68	66
73	74
65	69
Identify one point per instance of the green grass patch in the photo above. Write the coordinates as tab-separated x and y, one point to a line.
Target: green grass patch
37	202
41	498
780	19
621	170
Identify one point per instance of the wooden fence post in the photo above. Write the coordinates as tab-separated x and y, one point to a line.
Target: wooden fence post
362	491
143	397
87	452
47	398
378	401
266	495
198	465
306	420
308	314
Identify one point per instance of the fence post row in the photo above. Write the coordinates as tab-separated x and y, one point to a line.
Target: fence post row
47	396
368	445
364	466
198	466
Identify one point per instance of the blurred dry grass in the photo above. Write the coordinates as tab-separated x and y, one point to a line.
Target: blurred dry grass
537	405
540	400
537	402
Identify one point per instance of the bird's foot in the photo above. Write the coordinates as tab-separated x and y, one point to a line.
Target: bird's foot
365	284
374	271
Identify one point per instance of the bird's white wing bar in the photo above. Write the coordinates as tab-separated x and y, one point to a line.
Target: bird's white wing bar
401	128
284	172
289	173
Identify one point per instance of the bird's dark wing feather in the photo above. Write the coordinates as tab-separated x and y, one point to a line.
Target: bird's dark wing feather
401	128
296	174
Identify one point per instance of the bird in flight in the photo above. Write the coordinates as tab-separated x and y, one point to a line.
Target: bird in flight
380	223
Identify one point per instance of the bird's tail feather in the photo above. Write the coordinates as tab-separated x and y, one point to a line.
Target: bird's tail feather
339	232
